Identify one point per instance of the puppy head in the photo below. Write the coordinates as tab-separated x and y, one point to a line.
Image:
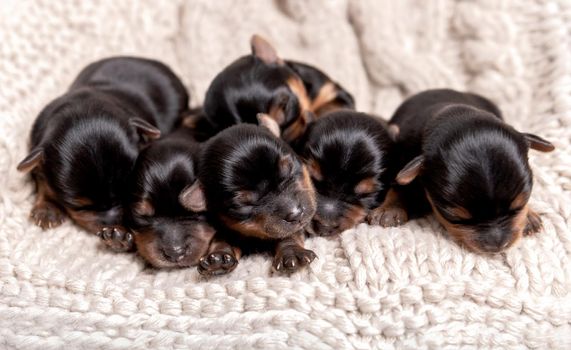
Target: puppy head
86	163
478	182
255	183
167	209
258	83
348	156
324	94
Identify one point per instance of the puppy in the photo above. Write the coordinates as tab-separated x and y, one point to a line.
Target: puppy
84	144
264	83
471	167
262	196
349	156
166	216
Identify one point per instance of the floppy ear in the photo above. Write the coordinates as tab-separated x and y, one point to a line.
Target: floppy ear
32	160
286	165
410	171
269	123
314	169
264	51
394	131
537	143
192	198
144	128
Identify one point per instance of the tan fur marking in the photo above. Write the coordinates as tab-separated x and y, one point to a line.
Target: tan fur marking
326	94
368	185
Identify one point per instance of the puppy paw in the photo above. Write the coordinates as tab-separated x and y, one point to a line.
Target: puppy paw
217	263
387	216
47	215
533	224
293	258
117	239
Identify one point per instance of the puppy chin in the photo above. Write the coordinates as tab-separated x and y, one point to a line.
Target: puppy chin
151	253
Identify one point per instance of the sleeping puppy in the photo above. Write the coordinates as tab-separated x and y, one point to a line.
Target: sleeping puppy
349	156
167	218
260	193
84	143
264	83
471	167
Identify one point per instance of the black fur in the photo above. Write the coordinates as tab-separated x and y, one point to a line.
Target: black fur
167	233
252	179
247	87
472	160
347	148
89	137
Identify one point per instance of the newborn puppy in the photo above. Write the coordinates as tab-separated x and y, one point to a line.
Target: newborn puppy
166	216
84	143
471	166
264	83
260	193
349	156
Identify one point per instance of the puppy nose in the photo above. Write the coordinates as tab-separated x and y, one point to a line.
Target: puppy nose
295	214
175	253
496	240
324	228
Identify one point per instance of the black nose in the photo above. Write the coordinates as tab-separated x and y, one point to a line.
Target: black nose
174	253
295	214
496	240
325	228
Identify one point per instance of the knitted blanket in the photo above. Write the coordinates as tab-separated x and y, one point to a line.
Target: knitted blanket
407	287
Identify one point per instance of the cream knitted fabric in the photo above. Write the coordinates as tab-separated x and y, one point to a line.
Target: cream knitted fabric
407	287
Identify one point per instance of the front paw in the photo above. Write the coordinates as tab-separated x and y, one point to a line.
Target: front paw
291	259
47	215
387	216
217	263
117	239
533	224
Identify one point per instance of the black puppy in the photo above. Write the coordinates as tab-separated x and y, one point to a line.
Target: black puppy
167	218
471	167
264	83
261	194
84	143
350	158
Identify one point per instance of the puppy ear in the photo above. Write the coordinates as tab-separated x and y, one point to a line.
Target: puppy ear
286	165
394	131
192	198
537	143
32	160
264	51
410	171
314	169
269	123
145	128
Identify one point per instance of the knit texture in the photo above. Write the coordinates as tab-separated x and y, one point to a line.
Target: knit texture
407	287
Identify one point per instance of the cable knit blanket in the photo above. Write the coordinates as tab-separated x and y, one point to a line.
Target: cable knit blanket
408	287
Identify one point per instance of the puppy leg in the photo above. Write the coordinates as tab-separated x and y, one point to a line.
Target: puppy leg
45	213
391	213
222	258
290	255
117	238
533	223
